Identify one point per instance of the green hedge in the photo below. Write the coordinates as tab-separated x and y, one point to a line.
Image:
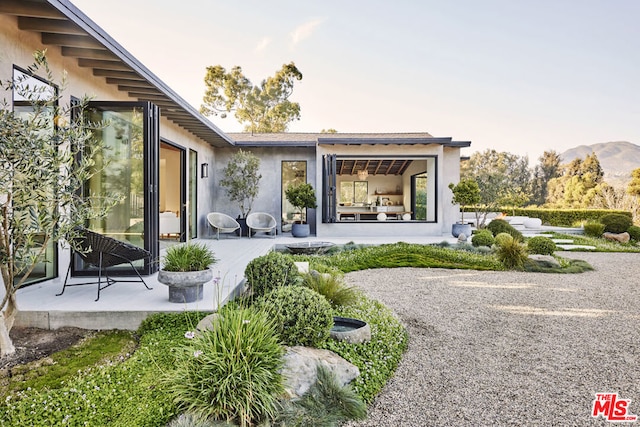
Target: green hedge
562	217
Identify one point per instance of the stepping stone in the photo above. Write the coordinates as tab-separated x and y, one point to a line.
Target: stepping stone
574	247
562	241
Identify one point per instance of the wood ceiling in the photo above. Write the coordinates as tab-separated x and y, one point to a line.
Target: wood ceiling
372	166
94	49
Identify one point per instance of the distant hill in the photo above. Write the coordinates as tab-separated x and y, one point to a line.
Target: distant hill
617	159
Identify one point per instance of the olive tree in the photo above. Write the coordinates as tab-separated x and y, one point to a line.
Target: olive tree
45	157
241	180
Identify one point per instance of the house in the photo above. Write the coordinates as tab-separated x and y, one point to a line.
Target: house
167	158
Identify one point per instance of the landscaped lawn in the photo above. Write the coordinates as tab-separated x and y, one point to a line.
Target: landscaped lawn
130	387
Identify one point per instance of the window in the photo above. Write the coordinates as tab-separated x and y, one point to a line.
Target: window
293	173
354	192
29	90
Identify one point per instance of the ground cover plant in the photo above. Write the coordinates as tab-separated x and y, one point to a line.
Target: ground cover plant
599	244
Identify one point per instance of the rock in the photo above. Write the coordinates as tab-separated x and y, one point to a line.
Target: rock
206	324
621	237
462	238
300	364
545	261
532	223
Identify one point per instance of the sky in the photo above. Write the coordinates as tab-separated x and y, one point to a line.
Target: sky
521	76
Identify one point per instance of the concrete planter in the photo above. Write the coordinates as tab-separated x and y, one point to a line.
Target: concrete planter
185	286
300	230
457	229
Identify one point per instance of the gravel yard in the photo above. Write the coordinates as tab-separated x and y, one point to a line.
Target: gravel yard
507	348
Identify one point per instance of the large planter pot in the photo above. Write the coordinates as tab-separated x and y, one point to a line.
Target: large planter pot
458	229
300	230
242	222
185	286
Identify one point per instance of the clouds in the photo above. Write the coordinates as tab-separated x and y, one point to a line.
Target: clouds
304	31
299	34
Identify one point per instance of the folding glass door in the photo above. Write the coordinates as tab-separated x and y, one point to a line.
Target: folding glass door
128	166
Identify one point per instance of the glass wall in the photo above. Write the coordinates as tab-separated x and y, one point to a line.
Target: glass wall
293	173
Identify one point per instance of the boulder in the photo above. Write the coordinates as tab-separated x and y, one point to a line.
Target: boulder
462	238
300	369
620	237
206	323
546	261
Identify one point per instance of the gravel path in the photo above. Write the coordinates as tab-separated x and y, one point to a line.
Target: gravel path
506	348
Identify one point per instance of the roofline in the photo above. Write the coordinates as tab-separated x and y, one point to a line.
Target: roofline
274	144
87	24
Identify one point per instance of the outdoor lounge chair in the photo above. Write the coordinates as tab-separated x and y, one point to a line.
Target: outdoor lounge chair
261	221
103	252
223	223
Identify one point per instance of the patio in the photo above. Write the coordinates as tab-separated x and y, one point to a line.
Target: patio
125	305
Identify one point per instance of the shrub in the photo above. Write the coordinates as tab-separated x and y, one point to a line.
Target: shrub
326	403
503	239
593	229
616	223
634	232
332	287
302	316
231	370
270	271
498	226
482	238
188	257
512	254
541	245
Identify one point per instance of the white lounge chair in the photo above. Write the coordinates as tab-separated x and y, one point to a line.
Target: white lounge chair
261	221
223	223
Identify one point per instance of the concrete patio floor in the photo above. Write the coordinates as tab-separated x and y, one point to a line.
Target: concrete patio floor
125	305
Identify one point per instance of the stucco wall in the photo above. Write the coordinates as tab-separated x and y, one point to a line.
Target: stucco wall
270	187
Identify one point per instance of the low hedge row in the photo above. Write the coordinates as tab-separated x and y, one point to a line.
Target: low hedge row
562	217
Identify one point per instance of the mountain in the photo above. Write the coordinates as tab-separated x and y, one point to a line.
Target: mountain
617	159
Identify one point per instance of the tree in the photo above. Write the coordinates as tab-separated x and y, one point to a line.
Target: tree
465	193
241	179
633	187
580	183
504	179
547	169
264	108
45	158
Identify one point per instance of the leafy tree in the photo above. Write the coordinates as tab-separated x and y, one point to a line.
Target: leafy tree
264	108
633	188
503	179
241	179
579	184
465	193
42	169
547	169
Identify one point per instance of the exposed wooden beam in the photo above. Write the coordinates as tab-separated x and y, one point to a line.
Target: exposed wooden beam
157	97
129	82
103	65
119	74
33	9
144	89
70	41
78	52
45	25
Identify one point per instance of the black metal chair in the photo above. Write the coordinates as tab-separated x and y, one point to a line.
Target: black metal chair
103	252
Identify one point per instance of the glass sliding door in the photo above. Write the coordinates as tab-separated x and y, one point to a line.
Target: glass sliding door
128	166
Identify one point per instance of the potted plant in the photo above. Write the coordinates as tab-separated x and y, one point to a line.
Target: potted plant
301	197
241	181
186	268
465	193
